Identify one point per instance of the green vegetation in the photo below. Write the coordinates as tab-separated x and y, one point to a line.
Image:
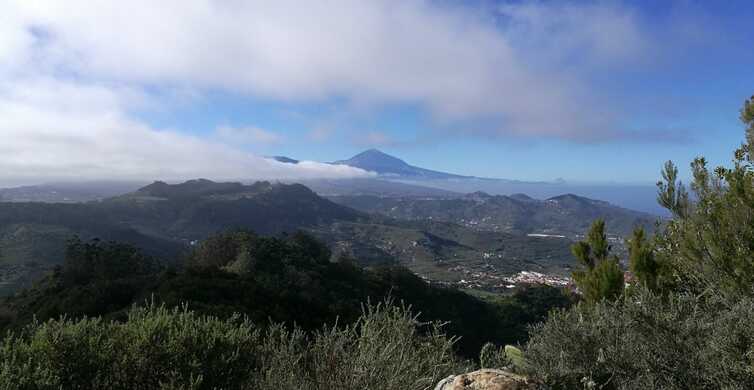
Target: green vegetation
289	280
647	342
650	272
601	277
157	348
687	323
492	356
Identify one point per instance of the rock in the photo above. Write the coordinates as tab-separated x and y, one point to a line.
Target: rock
487	379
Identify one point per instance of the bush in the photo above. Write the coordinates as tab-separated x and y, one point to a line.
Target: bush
647	342
158	348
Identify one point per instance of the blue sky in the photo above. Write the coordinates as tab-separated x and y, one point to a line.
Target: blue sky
602	91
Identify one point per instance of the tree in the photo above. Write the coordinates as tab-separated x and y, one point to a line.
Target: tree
709	244
643	263
96	260
223	250
601	277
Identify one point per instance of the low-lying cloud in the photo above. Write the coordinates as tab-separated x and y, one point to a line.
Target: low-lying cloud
49	134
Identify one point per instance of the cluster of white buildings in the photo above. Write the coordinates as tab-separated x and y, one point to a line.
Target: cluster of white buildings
530	277
490	280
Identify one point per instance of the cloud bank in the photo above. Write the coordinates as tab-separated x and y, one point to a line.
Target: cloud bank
55	131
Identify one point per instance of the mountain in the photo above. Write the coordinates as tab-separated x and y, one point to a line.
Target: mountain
386	165
568	215
197	208
166	219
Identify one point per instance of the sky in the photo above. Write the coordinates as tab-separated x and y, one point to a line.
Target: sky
587	91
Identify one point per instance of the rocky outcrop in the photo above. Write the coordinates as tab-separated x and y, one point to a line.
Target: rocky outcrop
487	379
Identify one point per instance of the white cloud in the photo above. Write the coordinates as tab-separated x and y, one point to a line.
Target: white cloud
247	135
53	130
458	62
601	33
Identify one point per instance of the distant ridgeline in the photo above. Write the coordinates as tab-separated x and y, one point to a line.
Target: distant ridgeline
568	214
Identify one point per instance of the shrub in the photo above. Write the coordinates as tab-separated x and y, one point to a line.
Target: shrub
158	348
647	341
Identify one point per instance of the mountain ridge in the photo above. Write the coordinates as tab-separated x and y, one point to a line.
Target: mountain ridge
566	214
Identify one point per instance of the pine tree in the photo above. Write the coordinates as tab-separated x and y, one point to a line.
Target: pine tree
647	269
601	276
709	244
